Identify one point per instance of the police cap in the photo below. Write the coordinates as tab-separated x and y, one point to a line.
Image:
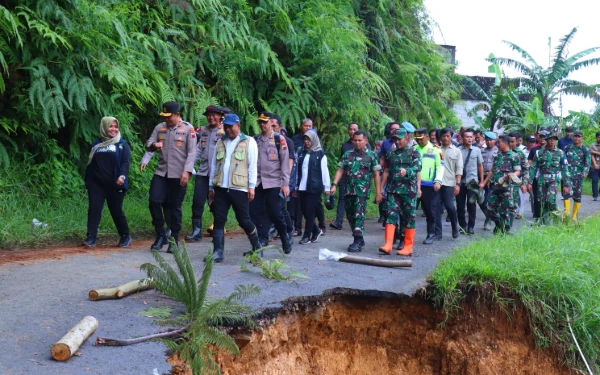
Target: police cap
490	135
408	126
169	108
420	133
264	116
399	133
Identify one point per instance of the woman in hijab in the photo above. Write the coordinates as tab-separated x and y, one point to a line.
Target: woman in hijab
106	180
313	177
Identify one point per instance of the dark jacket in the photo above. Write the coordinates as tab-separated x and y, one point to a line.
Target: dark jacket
122	162
314	182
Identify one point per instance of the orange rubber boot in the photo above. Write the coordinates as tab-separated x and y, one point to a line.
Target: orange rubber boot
409	241
389	239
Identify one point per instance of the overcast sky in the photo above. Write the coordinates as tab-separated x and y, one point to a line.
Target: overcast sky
478	27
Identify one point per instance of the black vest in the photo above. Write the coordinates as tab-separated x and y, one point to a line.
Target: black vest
314	181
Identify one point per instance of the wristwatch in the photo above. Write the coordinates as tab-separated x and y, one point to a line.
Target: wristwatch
334	184
123	177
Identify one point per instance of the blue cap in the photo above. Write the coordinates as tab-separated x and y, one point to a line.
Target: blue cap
408	126
231	119
490	135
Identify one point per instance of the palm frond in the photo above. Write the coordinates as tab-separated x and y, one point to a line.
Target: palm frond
521	51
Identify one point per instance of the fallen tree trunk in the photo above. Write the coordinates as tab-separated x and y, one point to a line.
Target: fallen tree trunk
70	343
120	291
101	341
376	262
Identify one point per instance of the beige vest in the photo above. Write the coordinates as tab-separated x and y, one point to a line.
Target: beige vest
238	167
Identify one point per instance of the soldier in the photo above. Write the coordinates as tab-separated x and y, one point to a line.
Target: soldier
272	183
205	150
595	151
385	147
533	179
432	171
488	153
176	141
356	168
232	182
551	167
402	167
579	159
501	204
517	189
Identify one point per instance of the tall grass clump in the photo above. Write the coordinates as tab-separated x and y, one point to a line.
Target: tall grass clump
554	271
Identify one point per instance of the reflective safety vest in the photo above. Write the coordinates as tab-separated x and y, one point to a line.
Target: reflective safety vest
432	169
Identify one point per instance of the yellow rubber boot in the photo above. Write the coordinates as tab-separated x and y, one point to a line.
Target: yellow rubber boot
409	241
567	208
390	229
209	230
576	206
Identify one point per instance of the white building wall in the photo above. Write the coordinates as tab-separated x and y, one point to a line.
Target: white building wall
462	108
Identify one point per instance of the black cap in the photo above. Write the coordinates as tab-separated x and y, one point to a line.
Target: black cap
170	108
420	133
578	133
569	129
264	116
216	109
531	138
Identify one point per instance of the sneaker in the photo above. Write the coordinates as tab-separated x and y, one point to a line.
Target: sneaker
90	241
335	225
315	238
323	230
595	199
125	241
305	241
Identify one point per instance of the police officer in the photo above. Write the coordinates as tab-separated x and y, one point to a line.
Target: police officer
501	204
205	150
232	183
176	141
277	126
402	167
272	183
551	165
432	171
488	153
580	160
356	168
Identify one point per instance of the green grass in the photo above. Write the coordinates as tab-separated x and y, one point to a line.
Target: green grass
554	271
67	219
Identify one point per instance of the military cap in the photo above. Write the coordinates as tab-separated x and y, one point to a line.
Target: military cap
550	134
330	202
578	133
408	126
420	133
399	133
169	108
531	138
231	119
264	116
490	135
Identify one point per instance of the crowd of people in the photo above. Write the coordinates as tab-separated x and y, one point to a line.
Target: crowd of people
274	183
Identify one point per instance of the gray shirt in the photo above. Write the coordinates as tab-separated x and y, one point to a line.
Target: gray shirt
205	150
470	166
488	158
179	149
453	165
273	167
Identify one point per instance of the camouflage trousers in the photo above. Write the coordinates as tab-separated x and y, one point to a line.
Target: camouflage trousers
402	208
501	206
515	195
546	195
356	208
576	189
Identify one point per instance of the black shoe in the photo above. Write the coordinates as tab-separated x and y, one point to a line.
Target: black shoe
470	231
173	246
447	219
336	225
304	241
381	219
355	246
595	199
323	230
161	240
125	241
429	239
286	243
400	243
316	236
168	233
263	241
437	238
272	232
90	241
196	231
455	233
361	242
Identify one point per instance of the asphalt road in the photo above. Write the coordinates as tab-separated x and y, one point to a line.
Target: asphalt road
40	302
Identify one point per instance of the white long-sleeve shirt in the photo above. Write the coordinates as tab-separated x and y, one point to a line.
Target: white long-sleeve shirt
324	173
230	145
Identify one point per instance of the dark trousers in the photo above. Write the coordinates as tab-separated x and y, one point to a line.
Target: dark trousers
286	216
537	205
166	190
310	202
462	199
295	209
320	212
341	209
445	198
487	190
97	194
200	197
595	175
428	203
266	209
236	199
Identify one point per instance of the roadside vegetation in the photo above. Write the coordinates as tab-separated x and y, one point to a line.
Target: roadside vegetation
552	270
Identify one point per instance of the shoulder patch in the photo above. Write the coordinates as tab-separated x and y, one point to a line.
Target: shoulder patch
283	143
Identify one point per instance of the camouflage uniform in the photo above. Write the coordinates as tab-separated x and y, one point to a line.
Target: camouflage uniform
358	166
501	203
522	159
550	166
402	191
579	159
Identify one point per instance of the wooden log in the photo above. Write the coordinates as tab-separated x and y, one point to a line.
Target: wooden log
120	291
70	343
376	262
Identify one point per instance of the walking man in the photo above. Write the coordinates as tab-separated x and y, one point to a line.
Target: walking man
402	167
595	151
356	168
518	189
579	159
453	170
232	183
471	177
176	141
488	153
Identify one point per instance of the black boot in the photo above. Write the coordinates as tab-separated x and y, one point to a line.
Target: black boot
218	236
429	239
272	232
400	242
263	241
173	246
161	239
196	231
355	246
455	229
256	245
90	241
168	232
286	243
